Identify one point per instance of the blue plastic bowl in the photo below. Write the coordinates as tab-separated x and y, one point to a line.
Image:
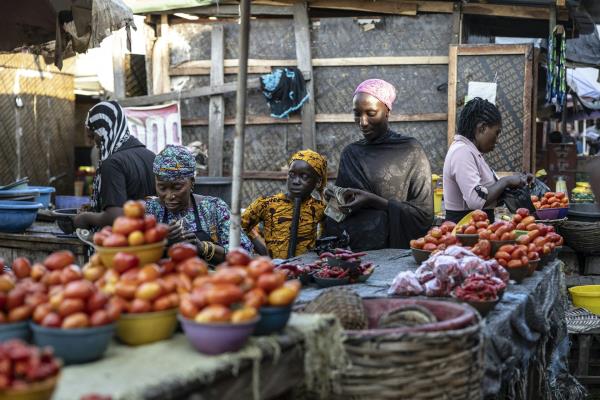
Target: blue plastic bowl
45	194
17	216
272	320
75	346
71	201
15	330
26	193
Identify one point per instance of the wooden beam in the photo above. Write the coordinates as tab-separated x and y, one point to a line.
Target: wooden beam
304	57
492	49
452	76
381	6
501	10
319	118
527	105
161	82
202	67
227	10
118	61
456	24
216	106
229	87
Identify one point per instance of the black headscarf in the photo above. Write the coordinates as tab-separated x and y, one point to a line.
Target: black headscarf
396	168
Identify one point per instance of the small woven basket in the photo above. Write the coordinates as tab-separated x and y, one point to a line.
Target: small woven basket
583	237
343	303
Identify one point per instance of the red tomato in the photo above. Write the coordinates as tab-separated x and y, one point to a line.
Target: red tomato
478	215
506	236
126	225
213	314
70	306
224	293
149	222
182	251
517	218
187	308
134	209
99	238
430	247
149	273
21	267
234	275
255	298
162	303
76	321
139	306
99	318
482	224
470	230
533	255
238	257
502	255
59	260
52	320
124	261
79	290
96	302
517	254
15	298
509	248
514	264
40	312
193	267
125	289
20	313
70	273
152	236
436	233
115	240
264	265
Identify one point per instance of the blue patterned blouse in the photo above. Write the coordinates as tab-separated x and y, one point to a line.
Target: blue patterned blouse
214	214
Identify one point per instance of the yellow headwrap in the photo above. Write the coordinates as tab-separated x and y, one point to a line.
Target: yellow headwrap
316	161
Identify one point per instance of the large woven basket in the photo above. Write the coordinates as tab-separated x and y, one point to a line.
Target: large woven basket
416	363
343	303
583	237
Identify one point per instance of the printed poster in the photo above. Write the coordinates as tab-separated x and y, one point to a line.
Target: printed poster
155	126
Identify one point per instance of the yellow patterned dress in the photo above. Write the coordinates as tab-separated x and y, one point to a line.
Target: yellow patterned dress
275	212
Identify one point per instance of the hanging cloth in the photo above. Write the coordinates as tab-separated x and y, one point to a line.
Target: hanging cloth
285	91
556	82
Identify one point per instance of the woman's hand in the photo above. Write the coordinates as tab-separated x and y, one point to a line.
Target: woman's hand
328	193
175	232
515	181
356	199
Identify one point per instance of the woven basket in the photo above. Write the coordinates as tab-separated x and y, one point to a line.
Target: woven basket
414	365
343	303
583	237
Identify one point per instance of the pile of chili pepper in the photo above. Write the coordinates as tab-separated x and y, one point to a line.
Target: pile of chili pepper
343	254
479	288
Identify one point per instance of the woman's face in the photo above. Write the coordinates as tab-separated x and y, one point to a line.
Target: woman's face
487	136
93	136
371	115
302	179
175	196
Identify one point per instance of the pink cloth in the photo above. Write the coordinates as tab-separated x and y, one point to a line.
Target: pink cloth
466	175
380	89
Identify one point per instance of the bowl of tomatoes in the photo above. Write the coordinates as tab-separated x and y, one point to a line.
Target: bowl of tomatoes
551	206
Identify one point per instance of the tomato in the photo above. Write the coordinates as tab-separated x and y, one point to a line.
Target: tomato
131	276
7	283
244	314
431	239
93	272
149	273
524	239
21	267
76	321
124	261
99	237
139	306
451	225
97	301
99	318
40	312
470	230
70	306
136	238
509	248
52	320
182	251
81	289
482	224
528	220
152	236
255	298
149	222
115	240
126	225
167	266
485	248
517	218
125	290
184	283
213	314
533	255
436	233
269	282
15	298
174	299
38	271
413	244
503	262
430	247
264	265
148	291
450	240
162	230
539	241
224	293
167	286
238	257
59	260
187	308
517	254
162	303
20	313
115	307
514	264
282	296
524	260
234	275
547	195
523	212
478	215
506	236
35	299
502	255
193	267
134	209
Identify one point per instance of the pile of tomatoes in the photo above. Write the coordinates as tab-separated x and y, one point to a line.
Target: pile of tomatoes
437	238
21	365
237	290
515	256
550	200
132	229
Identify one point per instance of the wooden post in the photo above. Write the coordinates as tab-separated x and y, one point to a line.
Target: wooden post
161	82
303	54
456	24
118	59
150	40
216	116
452	76
240	119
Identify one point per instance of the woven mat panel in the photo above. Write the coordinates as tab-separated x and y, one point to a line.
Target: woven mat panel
332	138
508	72
269	147
253	189
392	36
416	85
46	142
135	75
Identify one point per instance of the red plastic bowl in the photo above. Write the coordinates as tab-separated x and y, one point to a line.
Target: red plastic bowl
450	316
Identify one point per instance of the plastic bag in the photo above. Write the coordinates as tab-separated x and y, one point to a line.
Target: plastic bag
405	284
538	188
446	267
518	198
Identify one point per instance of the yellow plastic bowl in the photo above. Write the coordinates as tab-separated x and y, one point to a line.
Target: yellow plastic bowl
148	253
587	296
144	328
35	391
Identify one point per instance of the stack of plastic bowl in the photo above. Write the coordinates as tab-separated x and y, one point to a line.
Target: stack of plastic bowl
45	194
17	216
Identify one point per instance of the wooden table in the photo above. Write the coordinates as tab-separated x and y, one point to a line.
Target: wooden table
41	239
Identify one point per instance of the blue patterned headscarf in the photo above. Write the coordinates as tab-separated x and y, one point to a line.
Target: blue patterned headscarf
174	163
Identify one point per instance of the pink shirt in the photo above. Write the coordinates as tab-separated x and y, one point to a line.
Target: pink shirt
466	175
